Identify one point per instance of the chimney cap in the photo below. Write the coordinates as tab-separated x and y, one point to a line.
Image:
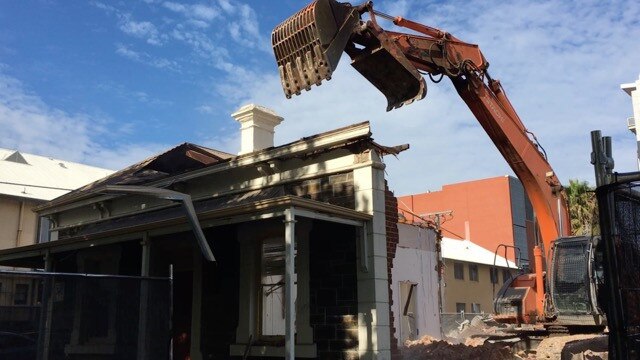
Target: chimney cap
257	125
241	114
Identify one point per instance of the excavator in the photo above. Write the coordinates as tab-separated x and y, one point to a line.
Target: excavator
561	289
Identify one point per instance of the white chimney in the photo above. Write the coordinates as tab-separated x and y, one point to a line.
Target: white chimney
256	127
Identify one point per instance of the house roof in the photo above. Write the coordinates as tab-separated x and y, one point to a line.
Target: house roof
465	250
42	178
186	160
179	159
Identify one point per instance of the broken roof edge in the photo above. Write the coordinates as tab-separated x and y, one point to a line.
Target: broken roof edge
142	164
332	138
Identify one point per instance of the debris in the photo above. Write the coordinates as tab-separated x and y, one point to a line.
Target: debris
572	347
431	348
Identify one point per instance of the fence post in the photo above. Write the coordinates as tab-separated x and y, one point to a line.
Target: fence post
44	331
144	298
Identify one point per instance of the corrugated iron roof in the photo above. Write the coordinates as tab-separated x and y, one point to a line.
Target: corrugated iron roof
42	178
177	160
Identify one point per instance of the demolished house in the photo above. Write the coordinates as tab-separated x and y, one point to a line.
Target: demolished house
277	246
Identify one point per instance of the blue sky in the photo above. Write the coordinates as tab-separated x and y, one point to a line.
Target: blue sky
109	83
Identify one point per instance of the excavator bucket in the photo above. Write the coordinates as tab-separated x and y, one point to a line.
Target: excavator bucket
388	69
309	44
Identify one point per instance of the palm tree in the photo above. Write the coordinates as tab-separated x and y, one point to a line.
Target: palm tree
582	208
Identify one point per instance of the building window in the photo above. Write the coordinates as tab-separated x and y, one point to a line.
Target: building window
44	224
461	307
21	295
458	271
473	272
506	275
476	308
262	302
494	275
272	306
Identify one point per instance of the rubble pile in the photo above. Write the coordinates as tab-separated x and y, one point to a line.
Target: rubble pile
478	326
570	347
431	348
482	338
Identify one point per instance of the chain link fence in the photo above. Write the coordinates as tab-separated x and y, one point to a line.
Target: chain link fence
50	316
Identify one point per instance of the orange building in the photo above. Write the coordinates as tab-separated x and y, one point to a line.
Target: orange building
487	212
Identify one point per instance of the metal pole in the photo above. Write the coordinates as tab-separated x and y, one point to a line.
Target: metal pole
602	160
144	298
289	285
170	312
46	311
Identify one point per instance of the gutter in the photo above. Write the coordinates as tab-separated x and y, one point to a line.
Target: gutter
182	198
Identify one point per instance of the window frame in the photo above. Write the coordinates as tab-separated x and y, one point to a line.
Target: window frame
474	273
250	296
494	275
464	307
476	308
458	271
269	338
504	275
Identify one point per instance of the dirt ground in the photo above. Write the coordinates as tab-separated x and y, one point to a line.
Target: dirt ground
430	348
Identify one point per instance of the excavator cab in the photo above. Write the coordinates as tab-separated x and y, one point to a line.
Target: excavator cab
309	44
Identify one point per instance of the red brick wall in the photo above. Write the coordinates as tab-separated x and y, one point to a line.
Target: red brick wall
391	215
485	205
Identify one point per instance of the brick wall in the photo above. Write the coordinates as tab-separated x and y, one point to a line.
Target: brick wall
391	215
335	189
333	290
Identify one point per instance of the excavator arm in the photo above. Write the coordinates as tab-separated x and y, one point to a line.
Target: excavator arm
308	47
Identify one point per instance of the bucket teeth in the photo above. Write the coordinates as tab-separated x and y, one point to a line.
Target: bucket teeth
301	41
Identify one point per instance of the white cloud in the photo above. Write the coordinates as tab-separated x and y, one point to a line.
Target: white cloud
204	12
146	59
244	29
141	29
205	109
196	11
226	6
30	125
122	50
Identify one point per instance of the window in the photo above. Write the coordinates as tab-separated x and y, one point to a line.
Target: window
262	302
44	224
506	275
272	306
494	275
458	271
473	272
476	308
461	307
21	294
